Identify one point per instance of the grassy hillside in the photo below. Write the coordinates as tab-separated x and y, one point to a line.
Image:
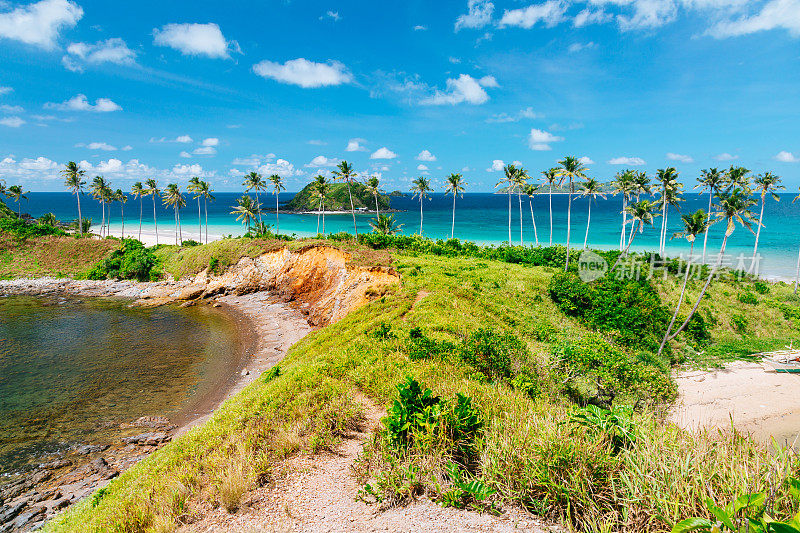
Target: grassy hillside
481	323
50	256
5	211
337	199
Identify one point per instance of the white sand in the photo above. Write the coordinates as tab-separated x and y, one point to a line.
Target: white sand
166	234
766	404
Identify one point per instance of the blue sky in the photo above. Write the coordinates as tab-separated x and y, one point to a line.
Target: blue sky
176	89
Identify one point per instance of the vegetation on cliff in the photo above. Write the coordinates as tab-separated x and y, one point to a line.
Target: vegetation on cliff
336	199
501	423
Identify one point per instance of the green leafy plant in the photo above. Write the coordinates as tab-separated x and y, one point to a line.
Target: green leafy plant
463	493
761	287
492	352
130	261
616	423
748	298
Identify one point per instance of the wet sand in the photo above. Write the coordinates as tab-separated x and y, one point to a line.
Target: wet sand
763	403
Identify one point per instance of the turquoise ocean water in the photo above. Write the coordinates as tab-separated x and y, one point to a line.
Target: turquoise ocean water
480	217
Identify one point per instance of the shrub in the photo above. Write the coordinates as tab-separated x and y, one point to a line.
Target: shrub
492	353
22	230
739	323
188	243
420	346
748	298
615	424
130	261
761	287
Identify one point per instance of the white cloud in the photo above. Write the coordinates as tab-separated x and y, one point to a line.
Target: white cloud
465	88
420	27
540	140
501	118
205	150
725	156
253	160
775	14
426	155
111	166
305	73
680	157
590	16
127	148
185	154
109	51
12	122
183	139
211	141
549	13
333	15
479	14
786	157
80	103
40	164
187	170
317	142
488	81
280	167
5	90
97	146
422	167
354	145
497	166
322	161
194	39
5	108
383	153
586	160
577	47
39	23
646	13
630	161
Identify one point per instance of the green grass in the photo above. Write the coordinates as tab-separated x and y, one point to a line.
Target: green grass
528	452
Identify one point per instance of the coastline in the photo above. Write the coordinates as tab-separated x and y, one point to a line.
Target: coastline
266	327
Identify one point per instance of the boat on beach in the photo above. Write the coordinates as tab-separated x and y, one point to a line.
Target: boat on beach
787	361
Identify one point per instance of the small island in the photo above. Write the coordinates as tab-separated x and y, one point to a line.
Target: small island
337	199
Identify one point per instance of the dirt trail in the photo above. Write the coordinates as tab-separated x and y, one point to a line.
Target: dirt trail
318	494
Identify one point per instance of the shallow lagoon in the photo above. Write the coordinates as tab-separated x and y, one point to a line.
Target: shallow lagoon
72	370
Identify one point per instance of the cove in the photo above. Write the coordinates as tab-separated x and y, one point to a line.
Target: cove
72	370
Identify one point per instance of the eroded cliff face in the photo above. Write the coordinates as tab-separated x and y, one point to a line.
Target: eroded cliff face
318	279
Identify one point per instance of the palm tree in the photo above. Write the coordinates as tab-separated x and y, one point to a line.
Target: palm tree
120	197
693	225
642	212
738	178
625	185
372	188
421	187
641	186
668	181
204	189
591	189
73	180
455	186
530	192
173	197
3	189
17	193
193	187
552	176
713	180
99	188
152	190
509	175
520	182
138	191
277	186
797	272
254	181
344	171
385	225
765	183
321	191
733	206
572	169
246	210
48	219
109	198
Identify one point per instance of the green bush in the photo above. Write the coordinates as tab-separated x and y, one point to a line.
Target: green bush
130	261
493	353
629	309
748	298
420	346
761	287
22	230
739	323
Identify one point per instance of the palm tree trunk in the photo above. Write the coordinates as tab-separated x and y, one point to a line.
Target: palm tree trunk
353	209
797	272
319	207
175	218
102	218
533	221
199	221
758	234
80	218
420	214
122	213
377	209
453	224
625	252
205	208
705	288
588	221
140	217
277	216
155	220
708	221
569	221
519	198
180	226
323	216
259	211
509	215
624	219
664	244
551	214
663	224
680	300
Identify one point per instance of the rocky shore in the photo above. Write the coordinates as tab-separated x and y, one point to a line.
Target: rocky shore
276	298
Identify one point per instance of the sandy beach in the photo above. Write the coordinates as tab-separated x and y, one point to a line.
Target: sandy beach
765	404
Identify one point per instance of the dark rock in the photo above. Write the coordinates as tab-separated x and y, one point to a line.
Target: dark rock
7	512
54	465
59	504
52	494
92	448
39	476
99	464
29	517
148	439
